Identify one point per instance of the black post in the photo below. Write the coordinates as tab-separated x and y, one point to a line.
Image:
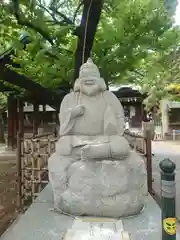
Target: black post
168	195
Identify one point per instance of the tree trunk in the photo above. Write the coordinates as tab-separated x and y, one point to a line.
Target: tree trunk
2	138
93	20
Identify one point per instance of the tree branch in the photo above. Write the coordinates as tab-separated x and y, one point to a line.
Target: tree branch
137	72
59	23
52	55
65	19
50	13
77	10
56	4
54	20
28	24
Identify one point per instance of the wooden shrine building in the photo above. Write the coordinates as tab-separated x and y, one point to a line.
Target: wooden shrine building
132	102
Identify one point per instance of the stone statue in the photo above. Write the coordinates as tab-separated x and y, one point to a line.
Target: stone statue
93	171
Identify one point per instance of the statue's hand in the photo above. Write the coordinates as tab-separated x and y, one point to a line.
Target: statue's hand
98	151
78	111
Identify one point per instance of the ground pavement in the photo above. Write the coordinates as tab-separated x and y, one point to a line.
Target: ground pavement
8	192
6	154
171	150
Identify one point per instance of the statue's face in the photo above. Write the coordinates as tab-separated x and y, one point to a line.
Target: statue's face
89	81
90	86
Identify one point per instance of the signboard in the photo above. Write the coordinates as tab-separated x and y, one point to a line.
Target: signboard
97	229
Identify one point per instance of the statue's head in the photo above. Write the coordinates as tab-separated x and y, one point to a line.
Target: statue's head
89	81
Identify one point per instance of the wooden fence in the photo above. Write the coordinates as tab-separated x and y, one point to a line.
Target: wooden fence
142	144
32	161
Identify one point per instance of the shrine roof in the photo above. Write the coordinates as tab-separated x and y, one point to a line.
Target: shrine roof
126	91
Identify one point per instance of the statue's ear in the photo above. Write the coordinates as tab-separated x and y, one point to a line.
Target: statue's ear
103	85
77	85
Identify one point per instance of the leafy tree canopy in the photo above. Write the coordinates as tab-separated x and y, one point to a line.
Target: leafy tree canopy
135	41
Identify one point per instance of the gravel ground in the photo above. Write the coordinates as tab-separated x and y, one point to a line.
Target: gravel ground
7	190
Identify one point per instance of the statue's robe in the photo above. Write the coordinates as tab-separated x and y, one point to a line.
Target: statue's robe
103	117
111	108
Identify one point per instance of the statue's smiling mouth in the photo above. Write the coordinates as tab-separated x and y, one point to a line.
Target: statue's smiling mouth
89	82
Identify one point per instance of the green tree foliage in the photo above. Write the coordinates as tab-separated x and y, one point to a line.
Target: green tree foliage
129	33
161	69
48	58
135	41
3	102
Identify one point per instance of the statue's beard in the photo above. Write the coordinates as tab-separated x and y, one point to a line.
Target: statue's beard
89	90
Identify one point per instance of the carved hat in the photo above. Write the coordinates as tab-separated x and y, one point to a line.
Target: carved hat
88	71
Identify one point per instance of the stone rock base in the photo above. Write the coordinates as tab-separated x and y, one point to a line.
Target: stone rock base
98	188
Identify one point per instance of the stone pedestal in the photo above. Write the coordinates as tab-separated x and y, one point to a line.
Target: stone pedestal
40	223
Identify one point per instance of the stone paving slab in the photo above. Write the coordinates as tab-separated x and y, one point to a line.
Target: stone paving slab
40	223
166	147
147	225
2	148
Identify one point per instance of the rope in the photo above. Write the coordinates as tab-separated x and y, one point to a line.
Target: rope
85	33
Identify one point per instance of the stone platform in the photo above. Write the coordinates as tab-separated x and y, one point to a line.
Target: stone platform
41	223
